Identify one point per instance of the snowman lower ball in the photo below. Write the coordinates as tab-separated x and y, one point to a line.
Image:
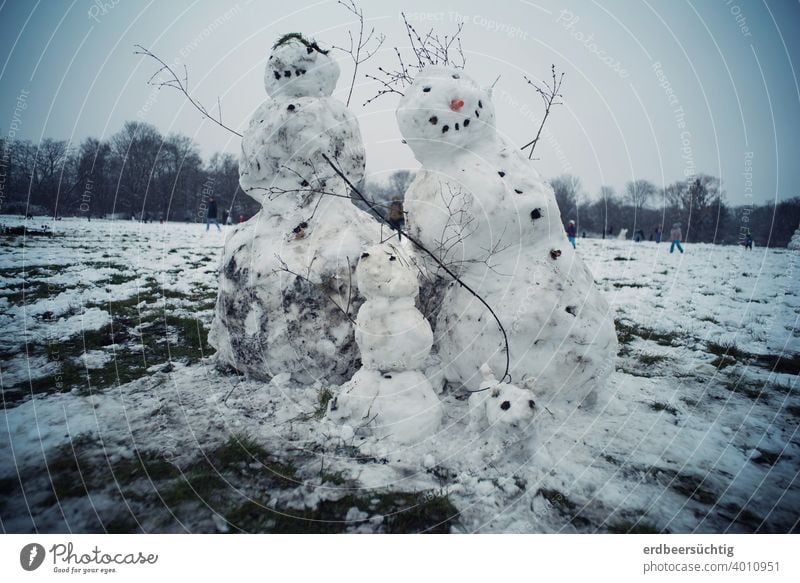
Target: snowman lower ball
281	269
389	397
480	206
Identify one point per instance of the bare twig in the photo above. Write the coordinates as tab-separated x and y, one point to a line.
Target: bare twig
359	50
433	256
181	85
551	95
427	49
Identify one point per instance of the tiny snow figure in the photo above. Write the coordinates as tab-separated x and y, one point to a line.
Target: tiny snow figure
480	205
389	396
286	274
502	404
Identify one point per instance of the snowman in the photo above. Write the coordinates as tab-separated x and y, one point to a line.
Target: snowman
480	206
503	406
389	397
286	290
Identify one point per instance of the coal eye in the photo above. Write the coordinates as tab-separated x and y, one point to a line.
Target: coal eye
456	76
303	225
466	122
434	120
505	405
392	258
445	128
426	89
531	404
364	255
536	214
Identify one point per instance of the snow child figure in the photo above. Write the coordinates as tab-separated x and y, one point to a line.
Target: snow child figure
480	206
285	287
389	397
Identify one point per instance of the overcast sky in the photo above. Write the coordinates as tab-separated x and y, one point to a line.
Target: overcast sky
653	89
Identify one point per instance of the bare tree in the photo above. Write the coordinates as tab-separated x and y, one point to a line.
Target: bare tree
359	50
639	192
550	92
567	191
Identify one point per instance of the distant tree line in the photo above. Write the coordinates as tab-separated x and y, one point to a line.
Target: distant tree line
141	173
698	204
137	172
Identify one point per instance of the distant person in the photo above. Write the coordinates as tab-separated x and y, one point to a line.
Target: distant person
225	217
676	235
572	231
241	218
658	234
212	214
397	217
748	242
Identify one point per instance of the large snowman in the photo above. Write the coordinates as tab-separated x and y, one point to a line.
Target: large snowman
286	289
480	206
389	398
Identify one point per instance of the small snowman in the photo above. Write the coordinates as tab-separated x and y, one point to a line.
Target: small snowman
480	205
389	397
503	406
285	270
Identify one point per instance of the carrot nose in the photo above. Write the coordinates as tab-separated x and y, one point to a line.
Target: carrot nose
456	104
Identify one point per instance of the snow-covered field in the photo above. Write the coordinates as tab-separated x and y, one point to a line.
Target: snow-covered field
114	418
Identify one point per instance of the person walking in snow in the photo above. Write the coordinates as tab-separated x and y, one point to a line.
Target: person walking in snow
676	235
572	231
658	234
397	217
748	242
212	214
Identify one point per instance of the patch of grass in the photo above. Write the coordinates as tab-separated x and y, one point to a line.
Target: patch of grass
726	349
651	359
766	458
627	331
658	406
403	513
630	527
620	285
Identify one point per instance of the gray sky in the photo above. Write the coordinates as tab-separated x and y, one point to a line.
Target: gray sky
653	89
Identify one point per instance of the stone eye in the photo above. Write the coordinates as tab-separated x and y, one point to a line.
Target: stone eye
426	89
531	404
505	405
364	255
466	122
392	258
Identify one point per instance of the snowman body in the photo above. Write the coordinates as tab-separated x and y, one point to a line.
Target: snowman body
389	397
287	273
482	208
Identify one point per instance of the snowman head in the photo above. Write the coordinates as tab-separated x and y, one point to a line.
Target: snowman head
385	271
508	405
297	67
445	110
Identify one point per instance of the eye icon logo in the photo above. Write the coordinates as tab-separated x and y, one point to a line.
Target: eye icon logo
31	556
